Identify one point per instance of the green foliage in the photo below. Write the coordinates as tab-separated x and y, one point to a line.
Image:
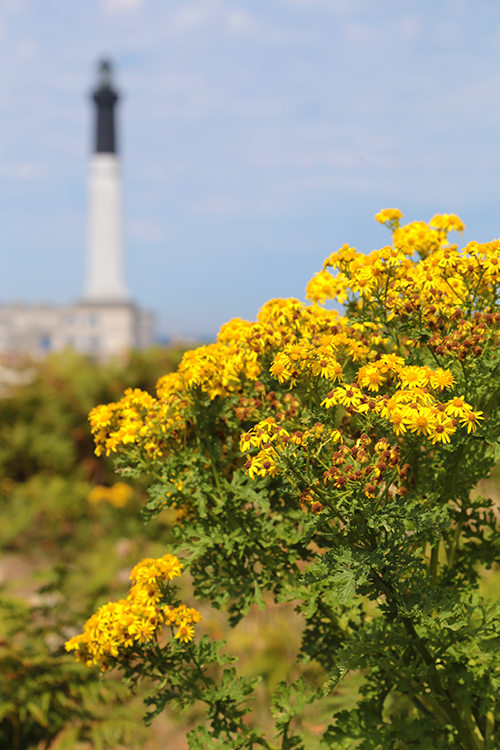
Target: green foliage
45	696
289	701
62	556
43	424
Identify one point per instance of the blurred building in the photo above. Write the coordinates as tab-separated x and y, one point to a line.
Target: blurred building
105	322
99	329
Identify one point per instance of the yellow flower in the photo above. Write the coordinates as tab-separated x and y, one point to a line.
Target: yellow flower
185	632
150	569
391	363
441	379
253	466
326	367
324	286
371	376
348	395
471	420
419	420
447	222
414	377
389	215
281	368
147	594
418	237
442	428
458	407
397	420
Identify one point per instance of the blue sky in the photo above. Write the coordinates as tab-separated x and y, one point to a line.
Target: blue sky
256	138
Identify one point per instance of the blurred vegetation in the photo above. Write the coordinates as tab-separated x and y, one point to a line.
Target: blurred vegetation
61	555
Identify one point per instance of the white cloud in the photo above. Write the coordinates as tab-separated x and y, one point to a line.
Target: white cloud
190	16
335	5
409	26
219	205
240	22
13	6
22	171
27	49
339	159
118	5
360	32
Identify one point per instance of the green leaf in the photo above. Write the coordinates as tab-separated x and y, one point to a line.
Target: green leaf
334	677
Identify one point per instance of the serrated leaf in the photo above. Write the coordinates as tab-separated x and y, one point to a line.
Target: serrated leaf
334	677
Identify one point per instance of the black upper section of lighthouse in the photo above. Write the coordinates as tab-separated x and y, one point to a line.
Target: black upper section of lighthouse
105	98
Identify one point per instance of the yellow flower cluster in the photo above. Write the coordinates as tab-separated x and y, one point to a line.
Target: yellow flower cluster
217	366
391	367
411	406
323	357
445	279
122	423
303	356
363	360
148	423
118	495
418	236
262	437
324	286
389	216
117	628
270	439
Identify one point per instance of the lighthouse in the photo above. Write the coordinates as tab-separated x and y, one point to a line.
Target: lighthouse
105	280
104	322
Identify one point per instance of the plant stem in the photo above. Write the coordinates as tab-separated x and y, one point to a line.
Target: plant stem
433	567
451	552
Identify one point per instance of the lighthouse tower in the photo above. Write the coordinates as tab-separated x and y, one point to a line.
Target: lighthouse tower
105	282
104	322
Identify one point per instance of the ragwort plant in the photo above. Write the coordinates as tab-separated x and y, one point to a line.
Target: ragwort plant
328	459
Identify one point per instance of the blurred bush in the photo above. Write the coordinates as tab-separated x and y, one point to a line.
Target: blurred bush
43	423
69	535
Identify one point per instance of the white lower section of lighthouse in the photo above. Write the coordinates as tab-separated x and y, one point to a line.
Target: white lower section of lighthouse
105	281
